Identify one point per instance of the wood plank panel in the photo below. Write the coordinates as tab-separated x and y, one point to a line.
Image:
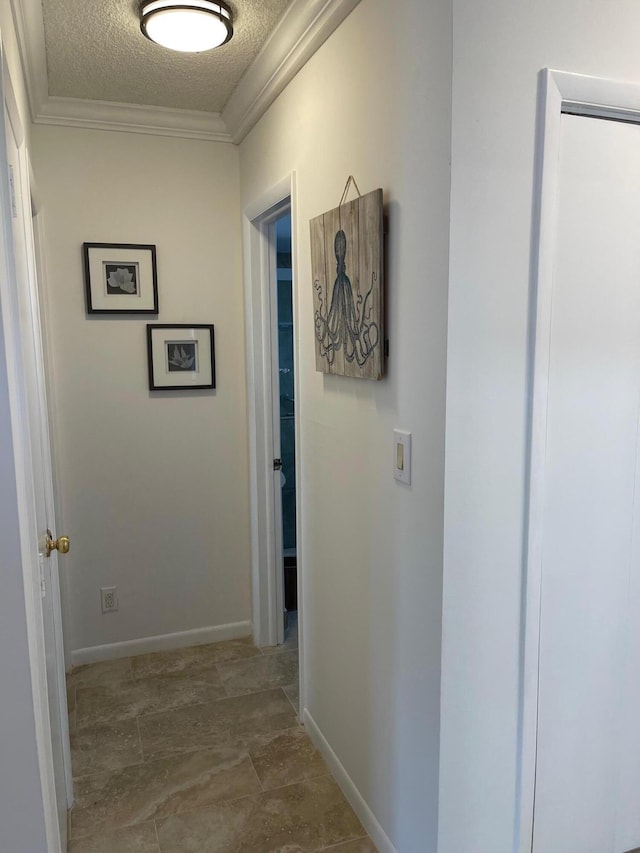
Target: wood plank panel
321	293
347	265
371	290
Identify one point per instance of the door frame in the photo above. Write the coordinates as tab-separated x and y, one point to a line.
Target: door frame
258	219
575	94
24	538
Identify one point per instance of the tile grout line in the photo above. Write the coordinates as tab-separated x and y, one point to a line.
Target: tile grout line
116	720
86	833
281	651
204	748
217	666
169	710
110	770
297	725
140	740
262	788
340	843
327	775
296	710
247	663
214	701
199	809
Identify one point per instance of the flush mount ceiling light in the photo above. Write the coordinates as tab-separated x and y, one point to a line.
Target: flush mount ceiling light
190	27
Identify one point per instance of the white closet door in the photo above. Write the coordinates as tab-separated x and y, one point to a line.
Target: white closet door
588	759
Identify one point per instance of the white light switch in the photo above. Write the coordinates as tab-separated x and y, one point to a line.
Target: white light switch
402	456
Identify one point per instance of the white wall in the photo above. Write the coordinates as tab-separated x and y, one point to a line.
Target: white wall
154	485
499	48
375	102
21	804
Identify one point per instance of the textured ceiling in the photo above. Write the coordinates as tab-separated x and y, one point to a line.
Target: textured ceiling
95	50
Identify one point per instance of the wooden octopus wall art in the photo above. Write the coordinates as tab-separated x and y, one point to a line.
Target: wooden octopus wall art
347	266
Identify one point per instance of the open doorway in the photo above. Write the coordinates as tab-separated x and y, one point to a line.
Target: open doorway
287	420
274	439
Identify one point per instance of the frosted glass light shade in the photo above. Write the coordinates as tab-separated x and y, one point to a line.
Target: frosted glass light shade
190	27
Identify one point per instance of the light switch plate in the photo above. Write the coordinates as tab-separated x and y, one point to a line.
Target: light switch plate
402	456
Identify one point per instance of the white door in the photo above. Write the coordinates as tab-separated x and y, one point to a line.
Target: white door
587	793
39	443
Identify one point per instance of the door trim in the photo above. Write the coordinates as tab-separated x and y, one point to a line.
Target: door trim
559	92
258	217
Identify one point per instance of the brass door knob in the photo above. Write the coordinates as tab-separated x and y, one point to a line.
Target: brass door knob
61	544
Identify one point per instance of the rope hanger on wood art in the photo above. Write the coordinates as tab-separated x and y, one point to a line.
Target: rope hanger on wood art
350	180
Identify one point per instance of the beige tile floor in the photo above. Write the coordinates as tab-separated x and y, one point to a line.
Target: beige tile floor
199	750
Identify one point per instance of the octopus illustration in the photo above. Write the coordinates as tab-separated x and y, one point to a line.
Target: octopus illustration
345	322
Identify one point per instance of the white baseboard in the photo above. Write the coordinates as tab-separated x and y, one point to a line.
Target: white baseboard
162	643
353	795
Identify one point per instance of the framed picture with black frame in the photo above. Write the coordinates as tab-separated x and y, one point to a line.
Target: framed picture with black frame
181	356
120	278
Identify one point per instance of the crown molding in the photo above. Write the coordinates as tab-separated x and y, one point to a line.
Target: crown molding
131	118
305	26
29	28
303	29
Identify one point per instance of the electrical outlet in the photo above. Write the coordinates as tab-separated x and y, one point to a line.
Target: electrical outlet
109	599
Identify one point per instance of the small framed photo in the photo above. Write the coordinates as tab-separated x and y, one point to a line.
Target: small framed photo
120	278
181	356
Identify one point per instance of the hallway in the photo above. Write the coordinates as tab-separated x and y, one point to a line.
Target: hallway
199	750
